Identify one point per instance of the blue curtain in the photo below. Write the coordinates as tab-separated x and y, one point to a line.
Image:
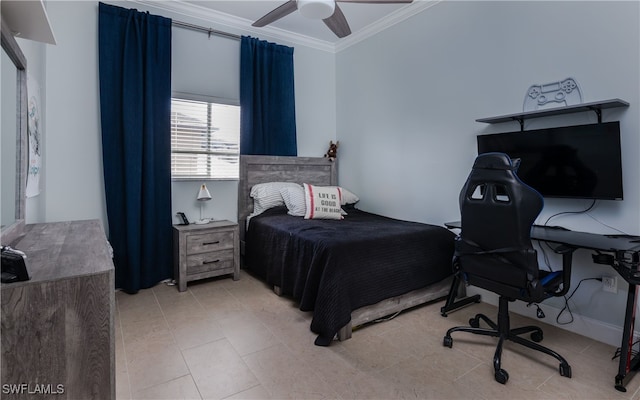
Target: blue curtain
267	100
135	107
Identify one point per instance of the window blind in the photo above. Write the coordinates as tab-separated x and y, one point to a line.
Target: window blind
205	140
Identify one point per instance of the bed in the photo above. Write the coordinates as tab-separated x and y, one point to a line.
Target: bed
347	272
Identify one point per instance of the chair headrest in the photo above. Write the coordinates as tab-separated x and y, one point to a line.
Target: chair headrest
496	160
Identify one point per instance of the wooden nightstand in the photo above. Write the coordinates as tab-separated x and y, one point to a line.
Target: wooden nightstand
204	251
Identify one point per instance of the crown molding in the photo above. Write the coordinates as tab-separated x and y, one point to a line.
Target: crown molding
237	25
388	21
242	26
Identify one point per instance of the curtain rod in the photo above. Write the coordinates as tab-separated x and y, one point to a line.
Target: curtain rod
208	31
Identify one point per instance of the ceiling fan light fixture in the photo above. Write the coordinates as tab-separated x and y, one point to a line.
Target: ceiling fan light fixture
316	9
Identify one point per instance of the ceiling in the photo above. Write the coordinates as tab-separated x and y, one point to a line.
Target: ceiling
364	19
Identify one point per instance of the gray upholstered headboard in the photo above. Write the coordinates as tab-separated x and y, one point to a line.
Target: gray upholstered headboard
261	169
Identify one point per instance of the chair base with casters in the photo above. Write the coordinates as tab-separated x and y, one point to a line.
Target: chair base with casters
503	331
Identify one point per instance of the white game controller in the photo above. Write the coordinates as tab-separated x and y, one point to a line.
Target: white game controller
561	93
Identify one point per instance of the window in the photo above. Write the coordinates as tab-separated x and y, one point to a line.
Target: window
205	139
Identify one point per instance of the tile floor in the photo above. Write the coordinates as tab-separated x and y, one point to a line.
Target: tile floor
237	340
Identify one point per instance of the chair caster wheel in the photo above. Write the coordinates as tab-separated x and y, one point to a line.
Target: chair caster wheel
474	322
502	376
565	370
537	336
447	341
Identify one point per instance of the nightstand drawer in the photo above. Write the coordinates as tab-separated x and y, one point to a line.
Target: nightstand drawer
211	241
214	261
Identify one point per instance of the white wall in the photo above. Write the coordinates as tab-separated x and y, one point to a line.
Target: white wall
74	185
407	100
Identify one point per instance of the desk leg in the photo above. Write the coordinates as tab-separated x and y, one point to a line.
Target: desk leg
628	365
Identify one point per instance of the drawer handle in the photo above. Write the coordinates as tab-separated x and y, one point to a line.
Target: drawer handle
211	262
210	243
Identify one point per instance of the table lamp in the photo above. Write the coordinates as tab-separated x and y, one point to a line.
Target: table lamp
203	195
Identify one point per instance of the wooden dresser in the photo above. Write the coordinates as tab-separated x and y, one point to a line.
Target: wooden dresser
57	329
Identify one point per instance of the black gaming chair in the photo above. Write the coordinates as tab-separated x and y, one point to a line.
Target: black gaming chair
494	252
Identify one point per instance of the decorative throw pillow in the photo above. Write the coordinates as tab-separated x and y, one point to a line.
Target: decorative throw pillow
322	202
267	195
293	197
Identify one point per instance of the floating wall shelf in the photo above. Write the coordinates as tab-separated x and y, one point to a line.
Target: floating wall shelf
27	20
596	107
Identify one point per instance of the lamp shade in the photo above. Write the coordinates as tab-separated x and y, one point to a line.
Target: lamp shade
204	194
316	9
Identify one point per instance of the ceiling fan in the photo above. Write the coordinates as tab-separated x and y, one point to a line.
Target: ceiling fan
326	10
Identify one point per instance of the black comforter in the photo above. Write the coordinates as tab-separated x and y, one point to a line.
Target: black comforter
332	267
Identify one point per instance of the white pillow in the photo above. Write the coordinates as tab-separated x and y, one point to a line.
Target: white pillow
267	195
293	197
322	202
348	197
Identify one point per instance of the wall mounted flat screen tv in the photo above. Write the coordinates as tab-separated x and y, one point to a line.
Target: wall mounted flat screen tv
581	161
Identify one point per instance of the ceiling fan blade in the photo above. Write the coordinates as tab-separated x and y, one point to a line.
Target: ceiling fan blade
375	1
338	23
282	11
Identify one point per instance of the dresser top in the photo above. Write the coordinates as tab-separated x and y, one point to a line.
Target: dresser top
62	250
210	225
